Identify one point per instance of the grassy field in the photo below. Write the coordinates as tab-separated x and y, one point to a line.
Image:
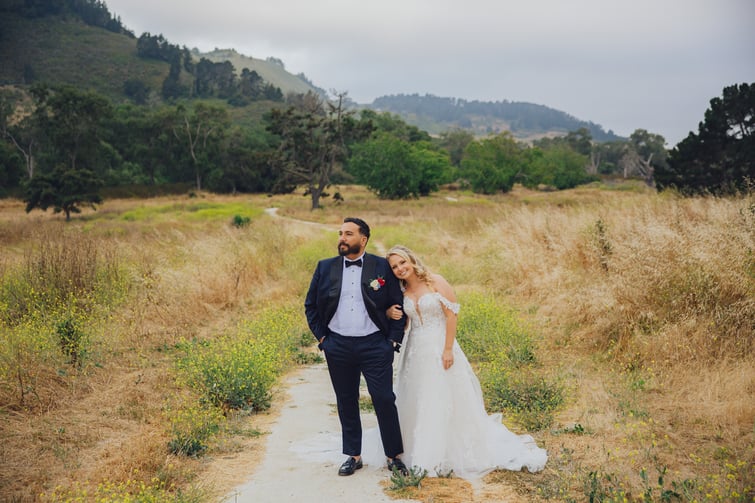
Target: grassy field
141	344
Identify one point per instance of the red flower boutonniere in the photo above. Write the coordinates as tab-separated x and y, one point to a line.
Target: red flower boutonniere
377	283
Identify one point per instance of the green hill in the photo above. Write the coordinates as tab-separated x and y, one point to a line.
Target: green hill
64	50
272	70
59	50
525	121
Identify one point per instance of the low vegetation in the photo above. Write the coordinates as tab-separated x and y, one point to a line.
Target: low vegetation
140	342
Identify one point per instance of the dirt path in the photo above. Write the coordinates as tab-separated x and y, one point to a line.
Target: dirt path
302	451
301	461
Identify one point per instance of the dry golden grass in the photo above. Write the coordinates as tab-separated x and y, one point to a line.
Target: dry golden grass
644	306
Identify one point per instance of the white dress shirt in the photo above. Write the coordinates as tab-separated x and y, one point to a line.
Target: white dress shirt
351	318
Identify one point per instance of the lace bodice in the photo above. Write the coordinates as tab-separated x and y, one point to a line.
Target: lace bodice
428	314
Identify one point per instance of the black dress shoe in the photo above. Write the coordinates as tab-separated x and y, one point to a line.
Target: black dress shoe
396	464
350	466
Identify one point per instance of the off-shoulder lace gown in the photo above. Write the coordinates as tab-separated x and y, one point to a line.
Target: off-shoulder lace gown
444	423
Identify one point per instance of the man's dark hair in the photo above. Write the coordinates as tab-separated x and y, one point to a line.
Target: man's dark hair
364	229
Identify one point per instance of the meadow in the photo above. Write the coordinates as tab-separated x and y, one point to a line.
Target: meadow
142	344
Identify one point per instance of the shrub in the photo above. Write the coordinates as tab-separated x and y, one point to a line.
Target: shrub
192	427
232	373
529	399
72	340
238	371
240	221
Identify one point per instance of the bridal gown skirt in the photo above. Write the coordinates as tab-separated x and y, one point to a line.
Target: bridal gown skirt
444	423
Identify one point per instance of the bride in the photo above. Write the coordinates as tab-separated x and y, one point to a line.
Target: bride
441	410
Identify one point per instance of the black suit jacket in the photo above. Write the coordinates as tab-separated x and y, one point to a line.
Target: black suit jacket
325	291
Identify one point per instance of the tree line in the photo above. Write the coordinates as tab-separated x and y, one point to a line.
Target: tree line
72	143
520	116
206	79
91	12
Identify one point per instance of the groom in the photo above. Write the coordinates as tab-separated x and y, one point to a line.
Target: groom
346	311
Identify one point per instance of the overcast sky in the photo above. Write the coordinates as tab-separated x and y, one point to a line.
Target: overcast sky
651	64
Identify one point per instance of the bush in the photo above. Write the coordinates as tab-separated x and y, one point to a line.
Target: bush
240	221
72	340
238	371
527	398
192	428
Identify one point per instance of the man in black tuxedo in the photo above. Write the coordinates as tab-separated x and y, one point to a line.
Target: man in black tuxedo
346	311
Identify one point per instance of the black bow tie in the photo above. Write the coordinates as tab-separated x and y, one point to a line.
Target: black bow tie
357	263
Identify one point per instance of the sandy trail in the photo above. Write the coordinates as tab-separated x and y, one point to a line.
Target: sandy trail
298	464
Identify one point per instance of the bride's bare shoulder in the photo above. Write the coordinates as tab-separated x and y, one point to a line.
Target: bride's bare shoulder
443	287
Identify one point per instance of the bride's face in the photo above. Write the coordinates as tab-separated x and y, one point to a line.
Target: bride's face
401	267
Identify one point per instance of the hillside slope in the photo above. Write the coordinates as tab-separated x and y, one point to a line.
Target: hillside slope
67	51
59	50
271	71
525	121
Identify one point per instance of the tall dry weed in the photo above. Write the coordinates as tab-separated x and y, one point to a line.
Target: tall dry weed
641	304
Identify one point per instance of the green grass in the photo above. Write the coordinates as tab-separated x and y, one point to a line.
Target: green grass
194	211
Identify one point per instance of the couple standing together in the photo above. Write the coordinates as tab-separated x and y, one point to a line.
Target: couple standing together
358	307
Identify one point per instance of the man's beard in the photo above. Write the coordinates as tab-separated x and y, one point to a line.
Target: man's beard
349	250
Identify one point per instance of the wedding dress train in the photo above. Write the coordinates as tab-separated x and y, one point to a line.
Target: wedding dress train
444	423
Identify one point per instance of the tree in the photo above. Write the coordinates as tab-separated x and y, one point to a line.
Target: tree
73	122
200	131
455	141
245	165
491	165
643	154
605	157
22	134
559	167
382	164
433	167
314	138
11	170
397	169
64	189
580	141
137	90
395	125
73	125
720	157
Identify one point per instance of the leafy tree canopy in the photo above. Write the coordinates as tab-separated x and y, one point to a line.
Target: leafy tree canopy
64	189
559	167
394	168
491	165
720	157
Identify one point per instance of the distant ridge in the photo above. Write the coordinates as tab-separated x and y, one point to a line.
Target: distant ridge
524	120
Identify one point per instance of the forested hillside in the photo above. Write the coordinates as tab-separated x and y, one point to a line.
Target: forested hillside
523	120
81	43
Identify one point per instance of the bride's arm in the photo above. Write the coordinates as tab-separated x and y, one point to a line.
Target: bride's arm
450	308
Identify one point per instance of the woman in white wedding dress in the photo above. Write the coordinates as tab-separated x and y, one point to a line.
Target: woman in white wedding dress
444	424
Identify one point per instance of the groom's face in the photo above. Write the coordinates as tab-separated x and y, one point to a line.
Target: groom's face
350	242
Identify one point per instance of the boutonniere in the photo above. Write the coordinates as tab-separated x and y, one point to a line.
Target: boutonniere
377	283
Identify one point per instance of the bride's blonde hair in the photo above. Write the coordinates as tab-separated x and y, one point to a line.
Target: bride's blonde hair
422	272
